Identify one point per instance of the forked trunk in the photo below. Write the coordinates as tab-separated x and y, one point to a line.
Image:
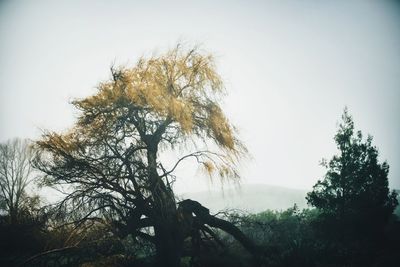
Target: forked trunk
167	232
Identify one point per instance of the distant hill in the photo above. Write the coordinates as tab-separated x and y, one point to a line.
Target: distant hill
252	198
255	198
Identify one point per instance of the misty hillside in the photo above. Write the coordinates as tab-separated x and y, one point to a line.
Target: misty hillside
252	198
255	198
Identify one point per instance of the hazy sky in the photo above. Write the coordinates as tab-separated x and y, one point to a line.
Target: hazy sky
290	67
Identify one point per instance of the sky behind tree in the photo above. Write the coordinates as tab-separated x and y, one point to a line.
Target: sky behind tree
290	68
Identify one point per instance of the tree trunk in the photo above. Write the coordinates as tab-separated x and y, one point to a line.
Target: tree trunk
167	232
169	245
13	216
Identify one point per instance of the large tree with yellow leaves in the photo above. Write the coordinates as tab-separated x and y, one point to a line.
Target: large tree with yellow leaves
110	159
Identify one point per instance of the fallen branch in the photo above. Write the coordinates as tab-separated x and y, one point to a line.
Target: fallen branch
203	215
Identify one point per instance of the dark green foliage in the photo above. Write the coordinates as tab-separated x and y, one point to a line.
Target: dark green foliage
356	184
297	238
354	200
287	237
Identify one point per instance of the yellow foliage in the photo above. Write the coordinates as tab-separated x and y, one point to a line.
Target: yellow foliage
179	89
170	85
220	128
209	167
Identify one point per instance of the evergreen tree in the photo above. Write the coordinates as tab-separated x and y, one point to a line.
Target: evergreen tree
354	197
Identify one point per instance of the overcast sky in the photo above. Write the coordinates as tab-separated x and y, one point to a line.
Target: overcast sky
290	67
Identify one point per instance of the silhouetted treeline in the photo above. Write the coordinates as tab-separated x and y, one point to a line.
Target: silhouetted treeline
288	238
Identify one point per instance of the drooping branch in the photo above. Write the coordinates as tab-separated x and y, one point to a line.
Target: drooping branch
110	158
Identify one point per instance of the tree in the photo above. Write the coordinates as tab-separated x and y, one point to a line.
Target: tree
354	197
15	175
111	157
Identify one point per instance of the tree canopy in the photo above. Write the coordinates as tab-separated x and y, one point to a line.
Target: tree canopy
15	174
354	193
108	163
